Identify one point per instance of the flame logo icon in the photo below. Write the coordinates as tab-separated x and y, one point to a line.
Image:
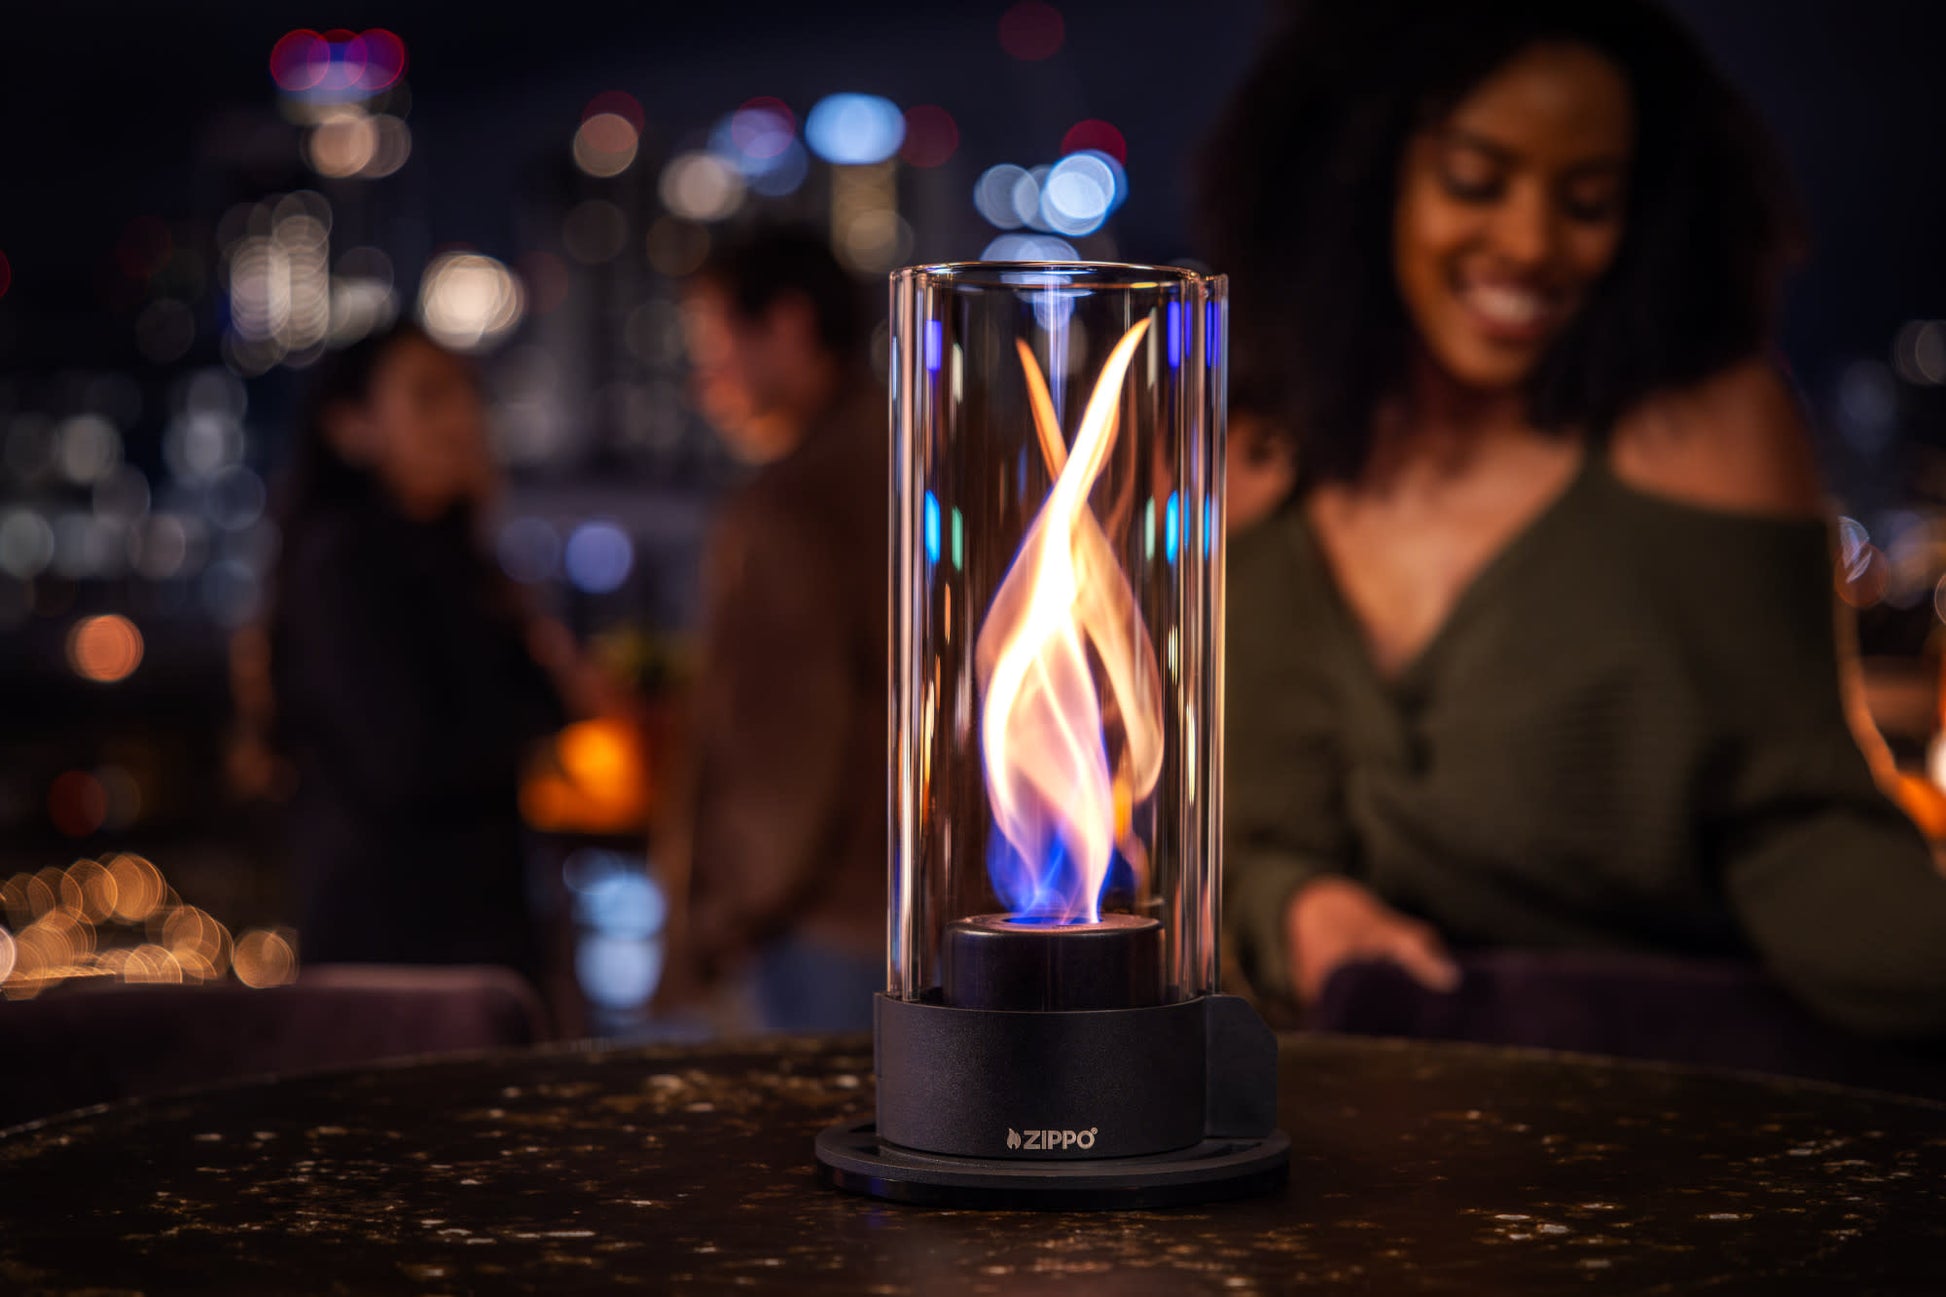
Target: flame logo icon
1013	1138
1065	612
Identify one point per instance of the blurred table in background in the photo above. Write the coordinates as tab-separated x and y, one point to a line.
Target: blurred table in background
1416	1167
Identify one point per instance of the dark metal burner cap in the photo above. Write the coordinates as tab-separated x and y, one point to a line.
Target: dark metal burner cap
1016	963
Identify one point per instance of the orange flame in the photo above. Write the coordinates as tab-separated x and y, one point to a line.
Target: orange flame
1058	798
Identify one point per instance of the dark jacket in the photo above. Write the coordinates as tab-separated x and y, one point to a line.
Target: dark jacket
406	699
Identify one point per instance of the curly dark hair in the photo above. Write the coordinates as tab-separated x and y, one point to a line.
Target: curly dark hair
1299	185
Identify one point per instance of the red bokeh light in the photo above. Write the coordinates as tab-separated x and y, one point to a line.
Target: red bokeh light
337	60
931	136
6	274
77	803
1032	30
382	56
775	107
1097	135
619	102
299	60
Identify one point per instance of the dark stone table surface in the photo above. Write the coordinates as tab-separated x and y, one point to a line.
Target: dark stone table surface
1417	1168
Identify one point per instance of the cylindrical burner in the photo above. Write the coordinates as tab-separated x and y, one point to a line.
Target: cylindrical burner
1001	961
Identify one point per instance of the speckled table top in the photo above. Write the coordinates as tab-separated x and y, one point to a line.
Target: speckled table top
1418	1168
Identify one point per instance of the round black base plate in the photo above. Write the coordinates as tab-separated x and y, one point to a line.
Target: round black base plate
853	1159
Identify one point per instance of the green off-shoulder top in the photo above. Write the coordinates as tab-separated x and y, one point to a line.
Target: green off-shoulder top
1628	735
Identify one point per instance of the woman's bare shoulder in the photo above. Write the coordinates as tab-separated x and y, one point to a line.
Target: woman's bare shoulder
1736	441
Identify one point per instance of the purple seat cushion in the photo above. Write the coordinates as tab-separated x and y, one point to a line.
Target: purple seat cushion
86	1045
1721	1013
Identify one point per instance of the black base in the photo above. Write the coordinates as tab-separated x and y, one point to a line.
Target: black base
852	1158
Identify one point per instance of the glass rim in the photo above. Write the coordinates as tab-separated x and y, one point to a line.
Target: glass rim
1124	275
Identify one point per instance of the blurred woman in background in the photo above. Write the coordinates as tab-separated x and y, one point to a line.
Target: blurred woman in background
1538	648
407	679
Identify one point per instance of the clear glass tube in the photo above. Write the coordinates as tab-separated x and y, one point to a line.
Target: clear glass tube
1057	556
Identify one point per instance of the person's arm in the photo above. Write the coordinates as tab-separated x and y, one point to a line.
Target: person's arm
1834	888
772	718
1291	911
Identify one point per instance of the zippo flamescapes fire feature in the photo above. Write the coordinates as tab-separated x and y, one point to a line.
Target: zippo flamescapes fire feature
1051	1034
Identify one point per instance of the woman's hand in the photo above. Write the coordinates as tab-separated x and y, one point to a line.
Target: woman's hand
1334	921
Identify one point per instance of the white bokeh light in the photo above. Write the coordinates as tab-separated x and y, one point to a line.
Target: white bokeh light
469	301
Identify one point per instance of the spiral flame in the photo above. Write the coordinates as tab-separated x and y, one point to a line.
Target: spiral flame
1058	799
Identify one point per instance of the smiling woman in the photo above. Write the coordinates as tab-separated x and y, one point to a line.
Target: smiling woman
1511	210
1539	649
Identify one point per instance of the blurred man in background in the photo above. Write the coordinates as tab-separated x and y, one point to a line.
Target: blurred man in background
786	817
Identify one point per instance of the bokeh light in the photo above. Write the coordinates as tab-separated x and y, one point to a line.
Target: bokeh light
469	301
105	649
529	550
605	144
1097	135
6	274
342	144
338	62
599	557
595	780
1027	197
595	231
760	141
1919	352
26	543
77	804
620	103
874	241
382	55
264	958
784	175
700	186
87	547
1029	247
993	195
677	247
299	60
391	147
1031	31
280	283
756	134
86	448
931	136
139	887
854	129
1078	194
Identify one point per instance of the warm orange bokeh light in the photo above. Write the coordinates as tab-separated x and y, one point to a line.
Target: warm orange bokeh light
139	888
106	648
597	781
264	959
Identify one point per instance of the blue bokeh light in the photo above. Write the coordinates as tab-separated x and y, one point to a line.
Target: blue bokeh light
599	557
855	130
1029	247
993	196
1078	194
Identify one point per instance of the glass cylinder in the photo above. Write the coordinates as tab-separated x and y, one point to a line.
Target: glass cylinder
1057	578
